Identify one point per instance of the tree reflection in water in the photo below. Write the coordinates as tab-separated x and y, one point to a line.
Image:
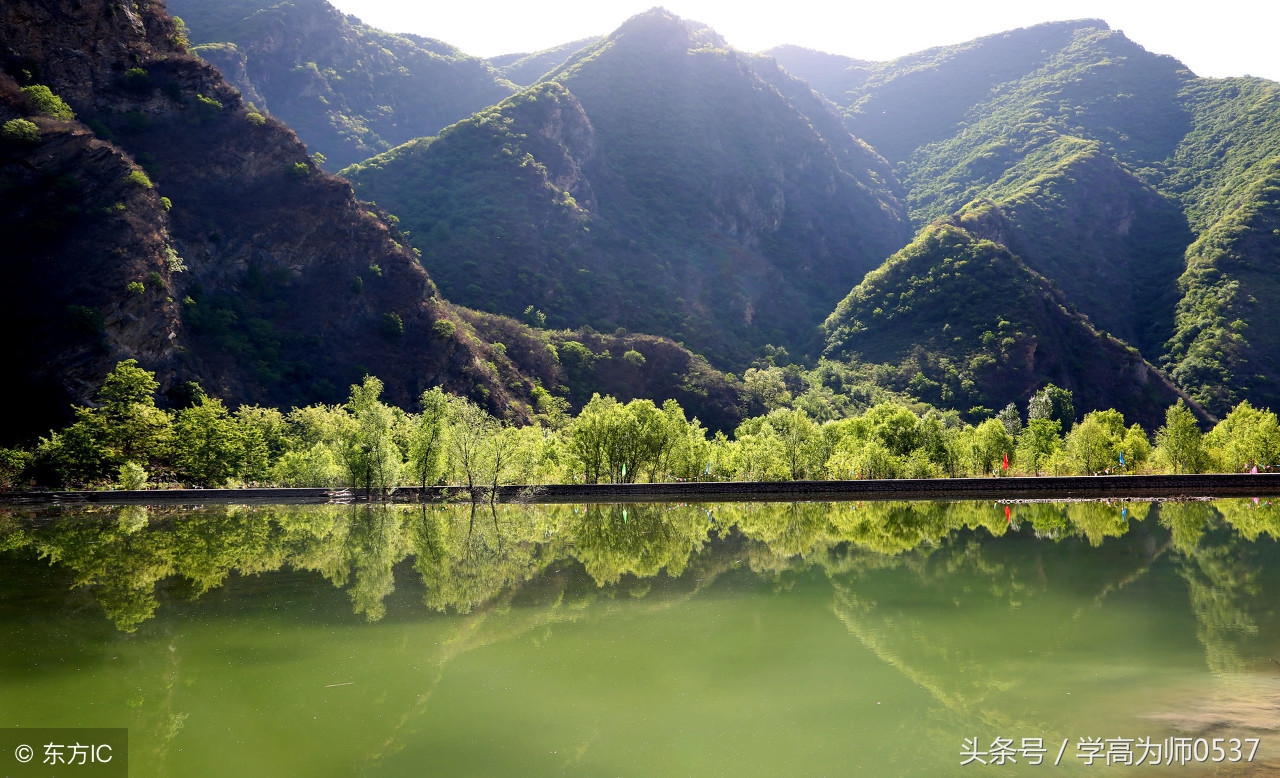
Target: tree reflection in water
960	564
469	554
927	587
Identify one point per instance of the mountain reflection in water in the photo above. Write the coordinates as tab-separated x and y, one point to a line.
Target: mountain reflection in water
965	600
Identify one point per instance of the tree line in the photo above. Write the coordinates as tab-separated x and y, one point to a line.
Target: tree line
126	441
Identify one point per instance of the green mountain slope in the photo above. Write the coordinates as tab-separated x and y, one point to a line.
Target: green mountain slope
961	322
1110	242
1107	169
660	182
1227	344
1233	138
527	69
349	90
901	105
167	222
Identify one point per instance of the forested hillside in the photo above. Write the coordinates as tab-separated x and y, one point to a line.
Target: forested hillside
644	214
658	181
349	90
965	324
1136	187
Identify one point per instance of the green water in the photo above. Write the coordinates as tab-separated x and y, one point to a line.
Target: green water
740	640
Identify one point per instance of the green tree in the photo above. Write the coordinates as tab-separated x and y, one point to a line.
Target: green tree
796	432
470	428
991	444
1039	440
264	434
210	448
125	427
767	388
1136	448
588	437
1091	445
1011	419
132	476
20	131
369	452
1054	403
1247	437
1180	443
427	440
13	465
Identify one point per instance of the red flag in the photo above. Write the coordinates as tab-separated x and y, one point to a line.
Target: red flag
1006	461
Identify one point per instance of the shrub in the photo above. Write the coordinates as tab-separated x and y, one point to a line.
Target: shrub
82	318
444	329
299	170
101	130
42	99
173	261
136	121
20	131
132	476
535	318
13	462
136	287
155	279
166	203
634	357
255	118
137	79
207	108
392	325
139	179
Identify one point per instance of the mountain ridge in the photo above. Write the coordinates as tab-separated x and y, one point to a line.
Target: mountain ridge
709	209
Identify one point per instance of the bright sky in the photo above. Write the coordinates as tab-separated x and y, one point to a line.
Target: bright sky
1220	38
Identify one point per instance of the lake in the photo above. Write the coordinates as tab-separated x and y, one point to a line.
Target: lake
886	638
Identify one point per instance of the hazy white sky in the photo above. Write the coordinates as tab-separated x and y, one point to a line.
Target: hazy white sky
1215	38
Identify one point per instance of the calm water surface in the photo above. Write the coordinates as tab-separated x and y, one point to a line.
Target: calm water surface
742	640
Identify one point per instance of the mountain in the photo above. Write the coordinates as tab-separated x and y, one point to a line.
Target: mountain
349	90
153	215
1226	341
959	321
527	69
658	181
1136	187
1227	344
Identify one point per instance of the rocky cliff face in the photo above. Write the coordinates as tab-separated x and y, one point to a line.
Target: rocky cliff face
170	223
349	90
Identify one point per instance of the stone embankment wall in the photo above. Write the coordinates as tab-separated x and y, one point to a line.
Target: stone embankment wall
1065	488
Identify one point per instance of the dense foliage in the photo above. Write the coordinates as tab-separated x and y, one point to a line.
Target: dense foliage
127	441
1105	168
965	324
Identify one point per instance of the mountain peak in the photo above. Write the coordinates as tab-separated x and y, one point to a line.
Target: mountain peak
658	25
